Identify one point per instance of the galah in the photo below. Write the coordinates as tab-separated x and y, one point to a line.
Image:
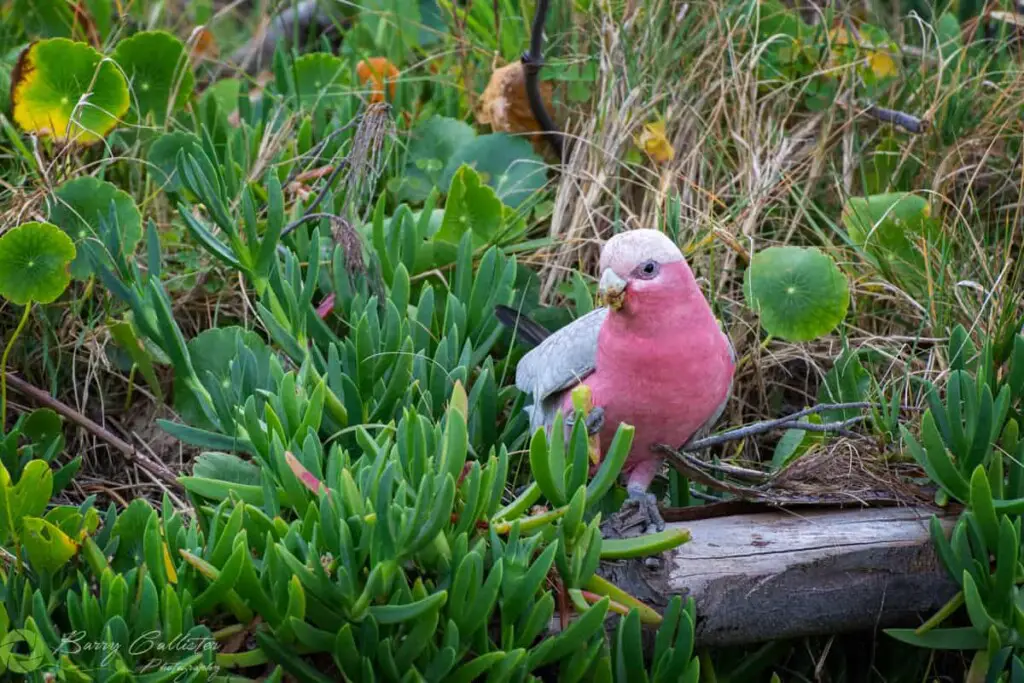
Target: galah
653	355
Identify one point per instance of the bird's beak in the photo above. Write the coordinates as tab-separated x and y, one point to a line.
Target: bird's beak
611	290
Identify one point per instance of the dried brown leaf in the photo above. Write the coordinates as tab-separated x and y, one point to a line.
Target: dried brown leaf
505	107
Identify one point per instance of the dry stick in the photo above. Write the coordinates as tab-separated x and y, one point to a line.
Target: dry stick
310	212
153	468
307	217
696	470
156	480
908	122
900	119
770	425
762	427
314	153
532	62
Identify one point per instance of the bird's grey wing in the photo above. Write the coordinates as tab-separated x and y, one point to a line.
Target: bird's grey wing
705	429
557	363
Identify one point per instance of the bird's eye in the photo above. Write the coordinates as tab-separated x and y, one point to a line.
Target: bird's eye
648	269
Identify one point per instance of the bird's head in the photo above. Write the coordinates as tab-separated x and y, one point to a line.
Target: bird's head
642	265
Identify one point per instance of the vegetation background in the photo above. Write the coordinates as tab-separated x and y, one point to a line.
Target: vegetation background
255	395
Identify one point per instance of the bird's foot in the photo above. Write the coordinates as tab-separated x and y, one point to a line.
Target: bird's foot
594	421
646	505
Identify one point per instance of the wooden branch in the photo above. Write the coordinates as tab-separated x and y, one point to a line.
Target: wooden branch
156	470
790	421
789	574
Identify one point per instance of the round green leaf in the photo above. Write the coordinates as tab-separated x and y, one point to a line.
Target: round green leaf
42	425
320	79
34	260
431	144
889	225
158	72
212	353
432	26
7	62
66	90
799	292
45	18
77	207
163	157
882	218
225	93
506	163
890	228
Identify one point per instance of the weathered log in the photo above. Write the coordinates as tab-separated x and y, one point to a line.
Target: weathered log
794	573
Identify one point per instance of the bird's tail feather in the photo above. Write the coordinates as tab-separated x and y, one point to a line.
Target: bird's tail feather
529	331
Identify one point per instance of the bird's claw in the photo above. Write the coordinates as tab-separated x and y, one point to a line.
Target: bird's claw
594	421
647	505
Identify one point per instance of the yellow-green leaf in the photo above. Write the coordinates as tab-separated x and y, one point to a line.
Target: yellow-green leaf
48	547
7	530
67	91
881	64
29	497
460	401
172	575
654	142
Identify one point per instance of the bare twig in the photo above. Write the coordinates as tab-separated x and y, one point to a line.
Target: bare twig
700	472
154	468
770	425
908	122
314	153
532	62
303	219
786	422
900	119
704	473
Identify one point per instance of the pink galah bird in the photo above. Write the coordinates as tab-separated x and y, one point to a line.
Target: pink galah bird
654	356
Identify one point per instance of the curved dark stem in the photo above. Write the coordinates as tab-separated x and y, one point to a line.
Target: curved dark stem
540	17
532	62
304	219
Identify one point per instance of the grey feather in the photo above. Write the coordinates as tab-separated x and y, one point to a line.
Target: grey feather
705	429
557	363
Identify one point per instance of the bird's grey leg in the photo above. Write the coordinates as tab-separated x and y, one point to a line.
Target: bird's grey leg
594	420
647	504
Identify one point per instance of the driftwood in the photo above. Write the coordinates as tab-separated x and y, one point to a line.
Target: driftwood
785	574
